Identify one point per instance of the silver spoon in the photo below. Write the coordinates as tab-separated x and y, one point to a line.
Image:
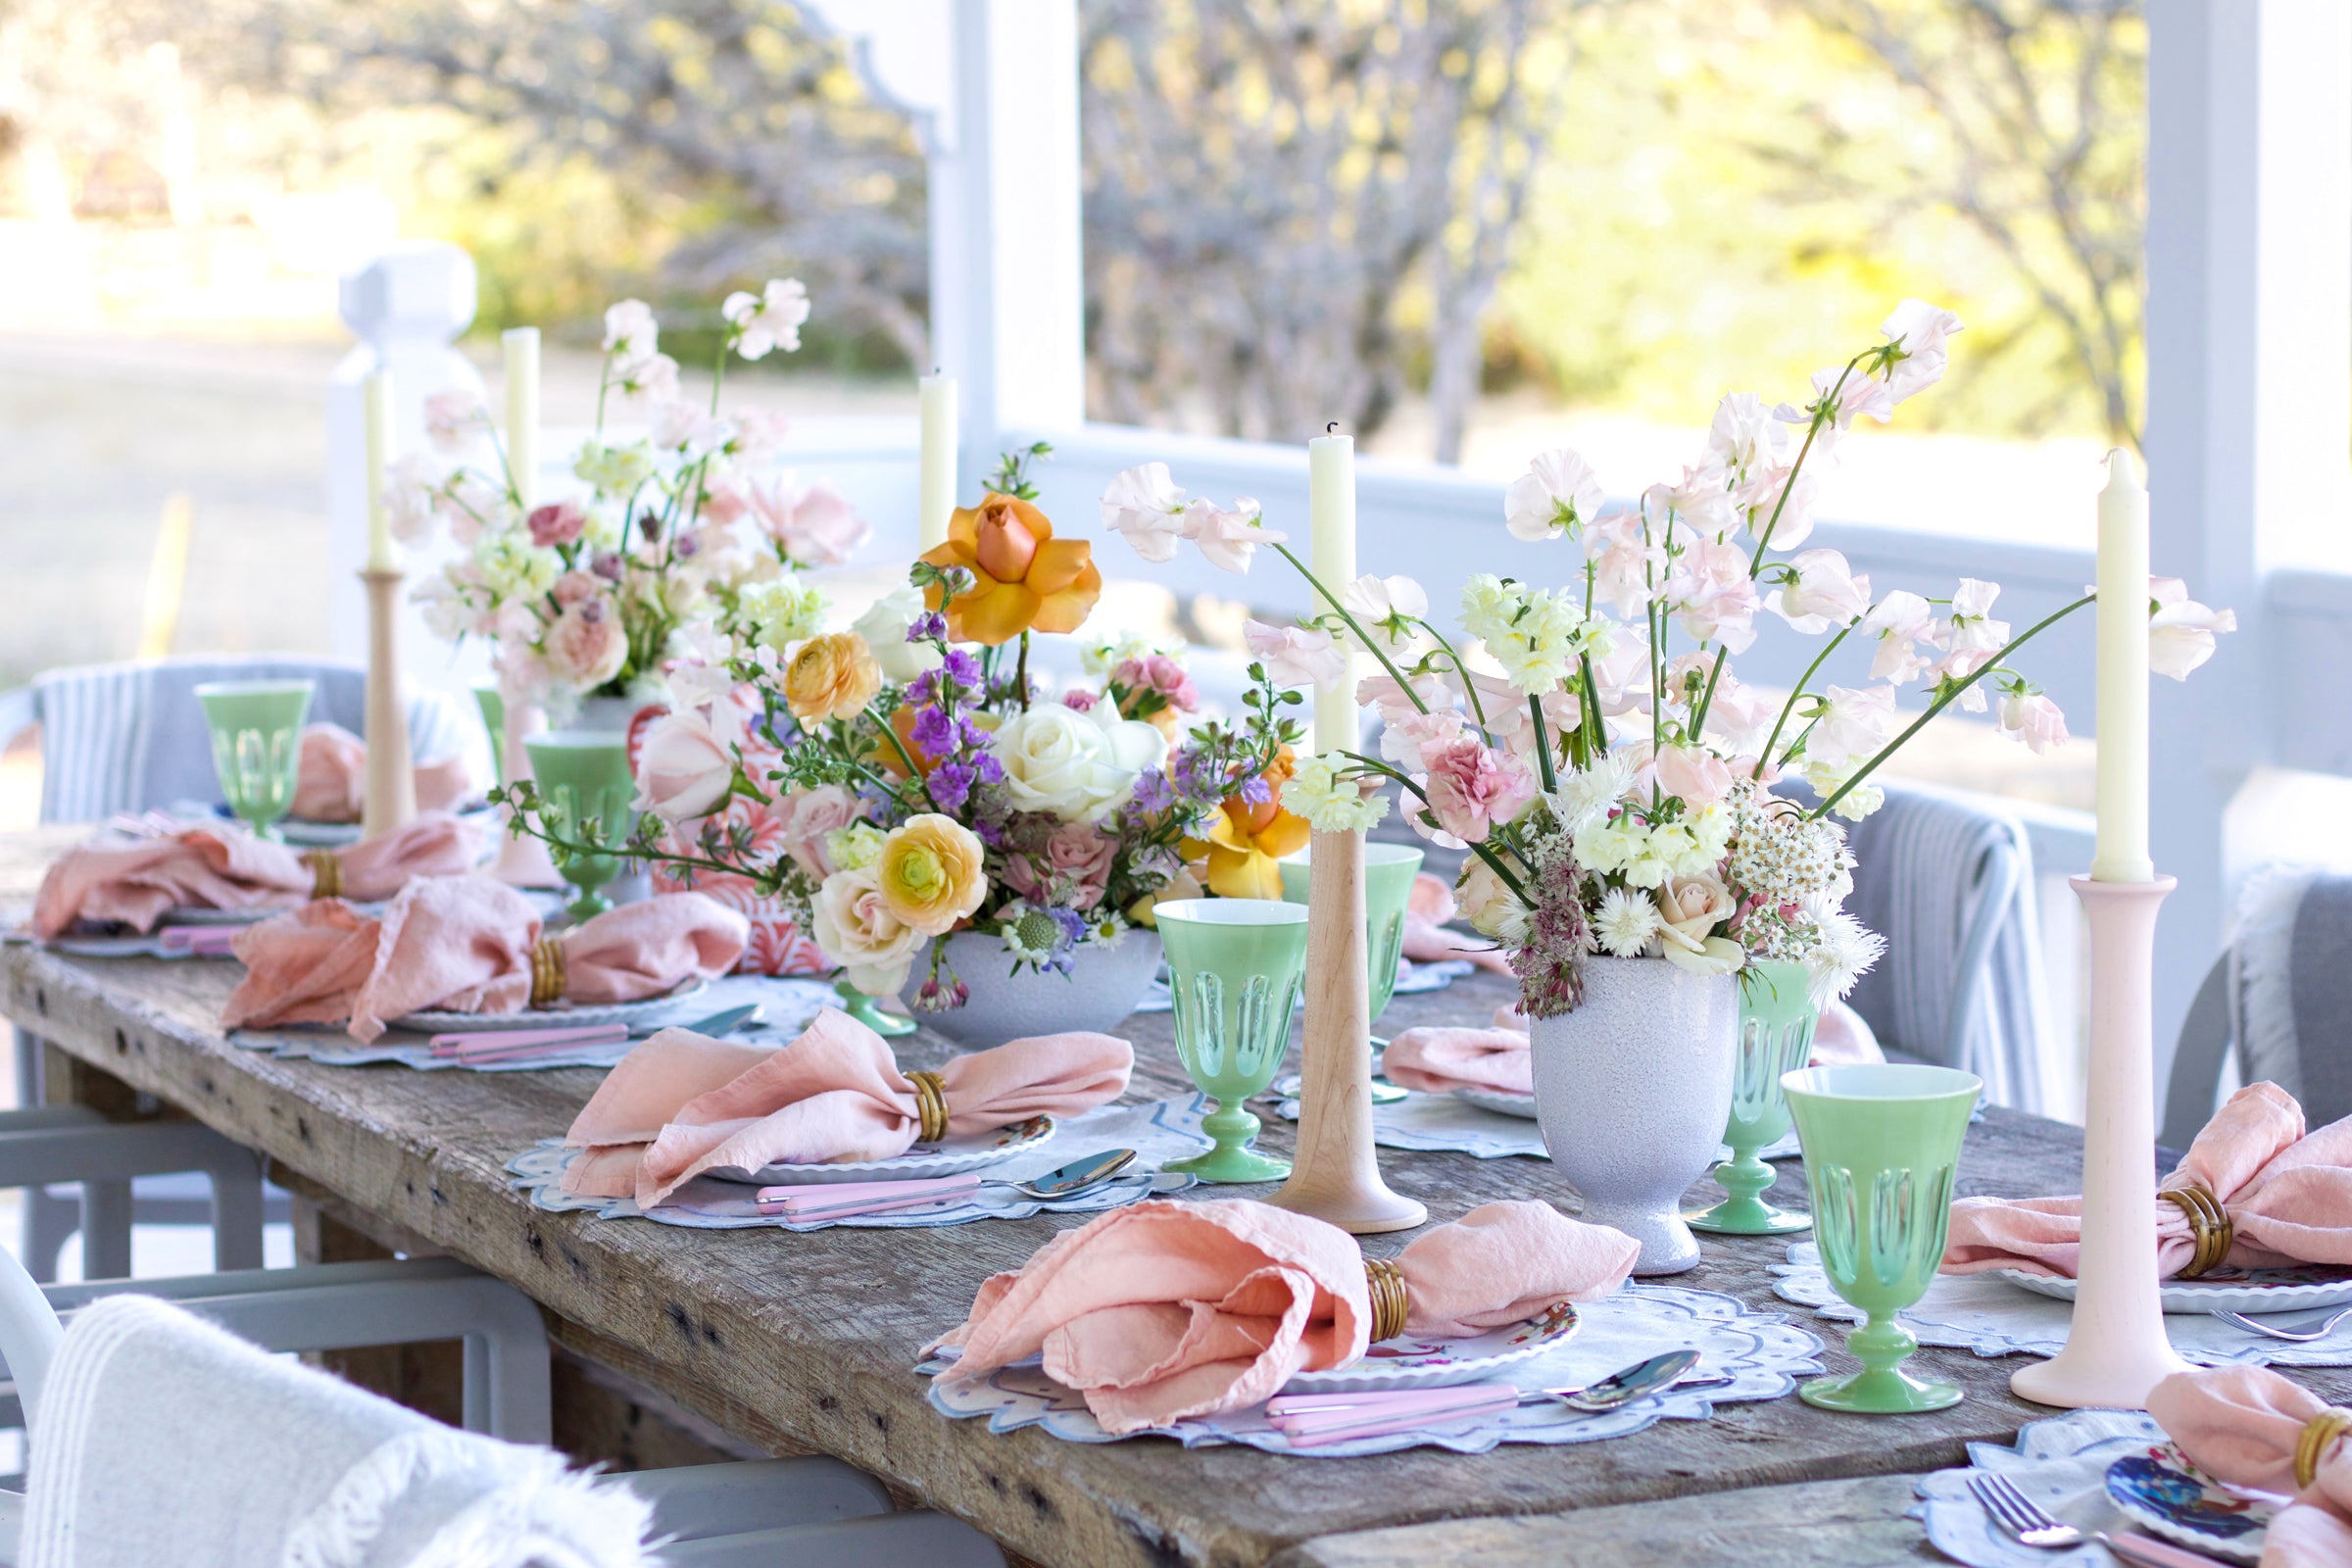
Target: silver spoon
1622	1387
2255	1325
1077	1178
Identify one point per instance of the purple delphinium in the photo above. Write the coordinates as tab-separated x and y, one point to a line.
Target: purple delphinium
949	783
1153	793
960	668
1253	789
928	627
935	732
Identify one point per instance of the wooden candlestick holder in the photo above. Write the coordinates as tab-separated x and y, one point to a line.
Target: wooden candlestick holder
2116	1349
390	801
1335	1175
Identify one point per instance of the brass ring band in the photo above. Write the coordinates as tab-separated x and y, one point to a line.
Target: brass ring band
546	972
2319	1434
1383	1281
2209	1222
930	1106
327	873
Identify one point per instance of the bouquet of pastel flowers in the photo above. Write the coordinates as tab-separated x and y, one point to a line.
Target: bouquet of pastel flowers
907	779
1620	791
593	594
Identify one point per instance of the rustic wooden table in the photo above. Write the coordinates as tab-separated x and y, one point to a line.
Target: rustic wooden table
807	1342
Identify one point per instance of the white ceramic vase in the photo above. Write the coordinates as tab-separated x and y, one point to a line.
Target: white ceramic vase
1100	989
1632	1090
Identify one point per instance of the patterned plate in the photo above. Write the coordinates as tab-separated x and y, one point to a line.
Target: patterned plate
2161	1489
950	1156
2225	1290
438	1022
1499	1099
1409	1362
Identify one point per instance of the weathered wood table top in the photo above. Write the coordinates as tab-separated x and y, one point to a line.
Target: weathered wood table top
808	1341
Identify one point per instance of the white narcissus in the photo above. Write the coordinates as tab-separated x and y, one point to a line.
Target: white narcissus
2181	631
1558	494
686	764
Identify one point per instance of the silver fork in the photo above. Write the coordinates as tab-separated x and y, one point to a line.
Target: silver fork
2019	1514
2255	1325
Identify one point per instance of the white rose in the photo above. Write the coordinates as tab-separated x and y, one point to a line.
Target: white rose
685	768
1078	766
884	629
1691	908
851	921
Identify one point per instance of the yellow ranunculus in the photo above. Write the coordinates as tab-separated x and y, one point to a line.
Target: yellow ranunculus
930	873
833	677
1023	575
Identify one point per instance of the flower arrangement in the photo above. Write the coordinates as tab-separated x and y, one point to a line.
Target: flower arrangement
907	778
1591	745
592	595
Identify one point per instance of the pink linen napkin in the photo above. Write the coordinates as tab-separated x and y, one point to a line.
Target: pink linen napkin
1439	1060
222	866
1427	941
2288	1196
2241	1424
681	1103
331	778
1163	1310
463	943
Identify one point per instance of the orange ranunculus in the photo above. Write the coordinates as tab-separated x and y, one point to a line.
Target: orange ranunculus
832	676
1246	842
1027	577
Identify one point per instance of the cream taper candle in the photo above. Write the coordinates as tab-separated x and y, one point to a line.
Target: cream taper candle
375	398
521	344
2120	853
1331	557
938	495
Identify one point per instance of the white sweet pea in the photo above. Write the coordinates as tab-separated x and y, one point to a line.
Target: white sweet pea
452	419
1898	621
1558	495
1228	538
1745	436
1145	506
630	328
1823	593
2030	717
2181	631
411	494
1296	655
769	319
1922	330
1385	606
1851	725
1700	501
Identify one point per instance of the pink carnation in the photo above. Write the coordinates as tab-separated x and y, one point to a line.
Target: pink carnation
1472	787
557	523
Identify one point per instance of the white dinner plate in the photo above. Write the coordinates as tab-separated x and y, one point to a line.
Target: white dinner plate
2268	1290
950	1156
562	1014
1412	1361
305	834
1499	1099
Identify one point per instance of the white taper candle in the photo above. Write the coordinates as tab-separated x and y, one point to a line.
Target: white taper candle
1331	557
938	404
2120	853
521	344
375	394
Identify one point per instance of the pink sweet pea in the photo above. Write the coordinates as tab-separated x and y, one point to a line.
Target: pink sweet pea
1699	776
1144	504
1296	655
1825	593
2031	717
1623	565
1898	621
1472	787
817	526
1714	597
2181	631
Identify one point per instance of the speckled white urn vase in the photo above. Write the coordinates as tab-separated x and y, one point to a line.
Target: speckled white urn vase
1102	989
1632	1091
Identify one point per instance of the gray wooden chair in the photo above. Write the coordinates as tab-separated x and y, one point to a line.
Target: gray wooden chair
130	738
2277	1003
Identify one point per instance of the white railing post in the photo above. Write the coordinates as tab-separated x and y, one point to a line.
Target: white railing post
2249	327
407	307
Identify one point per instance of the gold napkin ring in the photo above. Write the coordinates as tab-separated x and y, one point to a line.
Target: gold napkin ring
930	1104
327	873
2209	1222
546	972
1383	1281
2319	1434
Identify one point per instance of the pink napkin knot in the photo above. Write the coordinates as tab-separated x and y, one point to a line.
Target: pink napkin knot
682	1103
2286	1196
331	778
466	943
133	880
1437	1059
2251	1427
1426	937
1163	1310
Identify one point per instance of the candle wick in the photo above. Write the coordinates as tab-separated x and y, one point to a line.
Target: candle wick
1332	428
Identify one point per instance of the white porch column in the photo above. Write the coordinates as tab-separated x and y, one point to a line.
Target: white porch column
2249	331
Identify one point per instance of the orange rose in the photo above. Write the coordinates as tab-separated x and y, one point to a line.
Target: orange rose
833	677
1027	577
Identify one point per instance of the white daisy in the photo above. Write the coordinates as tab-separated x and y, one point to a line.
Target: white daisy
1626	922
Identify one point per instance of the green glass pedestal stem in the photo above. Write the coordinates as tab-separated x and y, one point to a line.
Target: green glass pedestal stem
493	709
1777	1018
862	1007
257	744
584	793
1235	967
1389	872
1882	1142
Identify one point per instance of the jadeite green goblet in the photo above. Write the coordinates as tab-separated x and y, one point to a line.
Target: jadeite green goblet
1881	1143
584	794
1235	966
1777	1016
494	720
257	744
1389	872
